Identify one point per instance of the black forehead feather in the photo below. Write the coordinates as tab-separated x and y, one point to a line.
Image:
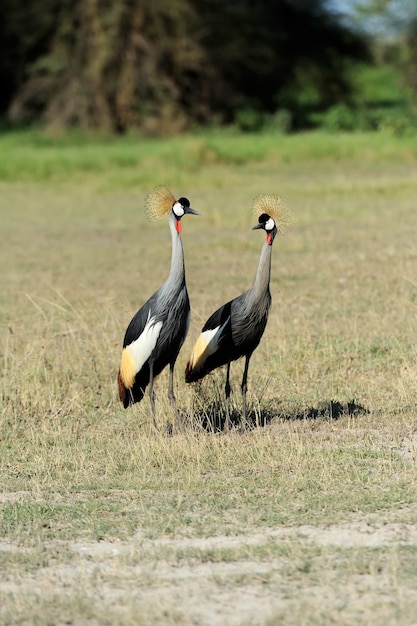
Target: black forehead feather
184	202
263	218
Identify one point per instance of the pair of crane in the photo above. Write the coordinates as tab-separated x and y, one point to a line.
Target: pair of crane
157	331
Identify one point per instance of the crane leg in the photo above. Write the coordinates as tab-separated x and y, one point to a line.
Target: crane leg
171	394
152	394
227	390
245	386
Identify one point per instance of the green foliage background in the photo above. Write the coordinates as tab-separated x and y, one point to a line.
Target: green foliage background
168	66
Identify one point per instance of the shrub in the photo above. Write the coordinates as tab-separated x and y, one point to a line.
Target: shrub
249	120
280	122
339	117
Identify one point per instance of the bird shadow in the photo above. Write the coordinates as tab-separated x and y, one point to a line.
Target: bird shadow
212	415
328	410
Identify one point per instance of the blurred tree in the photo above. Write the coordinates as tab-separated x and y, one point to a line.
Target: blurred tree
112	65
25	33
163	65
291	54
391	27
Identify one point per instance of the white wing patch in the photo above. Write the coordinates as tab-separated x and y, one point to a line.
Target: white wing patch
141	348
206	345
209	341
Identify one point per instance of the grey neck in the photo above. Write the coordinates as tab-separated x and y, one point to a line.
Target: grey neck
177	257
263	275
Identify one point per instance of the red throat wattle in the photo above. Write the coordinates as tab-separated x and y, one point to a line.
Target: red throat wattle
269	239
178	226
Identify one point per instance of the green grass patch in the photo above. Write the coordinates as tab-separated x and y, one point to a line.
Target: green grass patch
132	161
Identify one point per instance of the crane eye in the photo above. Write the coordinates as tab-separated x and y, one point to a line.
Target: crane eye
269	224
178	209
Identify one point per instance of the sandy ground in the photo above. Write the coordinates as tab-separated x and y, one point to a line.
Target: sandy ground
167	581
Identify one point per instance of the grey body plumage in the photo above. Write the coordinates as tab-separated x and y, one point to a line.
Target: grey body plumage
157	331
236	328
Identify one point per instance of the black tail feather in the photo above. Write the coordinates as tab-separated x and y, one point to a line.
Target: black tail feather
133	395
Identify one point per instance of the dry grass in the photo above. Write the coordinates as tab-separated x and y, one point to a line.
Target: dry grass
333	390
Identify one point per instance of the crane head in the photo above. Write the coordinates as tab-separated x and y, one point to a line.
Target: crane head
182	207
160	202
272	215
267	223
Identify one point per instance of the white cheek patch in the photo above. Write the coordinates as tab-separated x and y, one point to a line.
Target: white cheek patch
178	209
141	348
269	225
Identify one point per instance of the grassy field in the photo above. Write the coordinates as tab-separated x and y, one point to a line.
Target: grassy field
308	517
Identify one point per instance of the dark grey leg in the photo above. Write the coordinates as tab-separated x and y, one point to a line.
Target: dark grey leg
227	392
245	386
152	394
171	394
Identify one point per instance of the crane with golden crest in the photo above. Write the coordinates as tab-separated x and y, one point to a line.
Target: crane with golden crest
157	331
236	328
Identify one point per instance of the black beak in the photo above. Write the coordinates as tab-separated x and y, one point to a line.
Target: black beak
257	227
191	211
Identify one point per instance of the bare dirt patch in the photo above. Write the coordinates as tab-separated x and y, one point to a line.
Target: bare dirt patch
246	579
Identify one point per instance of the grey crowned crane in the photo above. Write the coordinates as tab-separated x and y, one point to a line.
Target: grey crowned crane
156	333
236	328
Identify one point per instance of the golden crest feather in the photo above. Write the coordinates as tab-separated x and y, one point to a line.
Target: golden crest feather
158	202
273	206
